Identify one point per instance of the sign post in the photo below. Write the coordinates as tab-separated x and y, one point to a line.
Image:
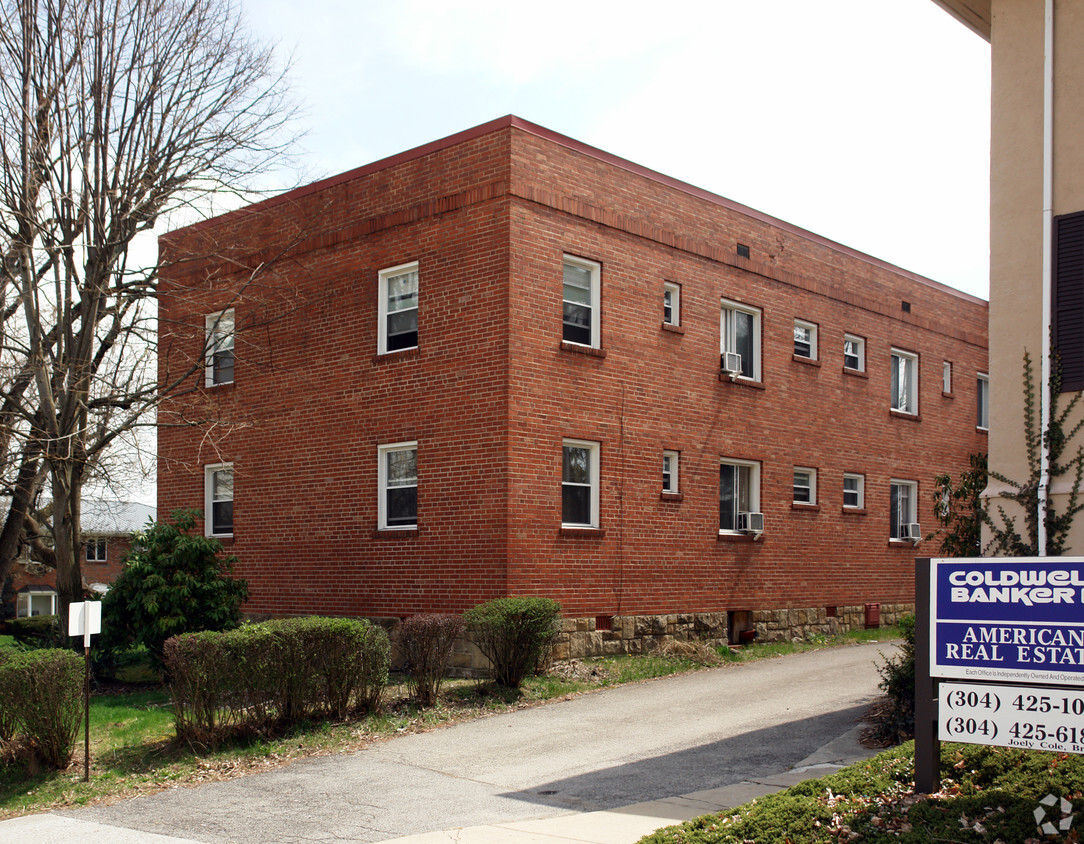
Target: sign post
85	619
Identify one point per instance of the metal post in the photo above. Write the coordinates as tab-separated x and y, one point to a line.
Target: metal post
927	746
86	711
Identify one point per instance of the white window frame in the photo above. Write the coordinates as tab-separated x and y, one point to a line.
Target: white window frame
382	305
909	517
209	500
860	352
673	291
670	461
982	401
99	545
382	483
594	451
811	328
220	329
810	486
595	295
728	309
904	403
24	602
860	483
946	376
754	491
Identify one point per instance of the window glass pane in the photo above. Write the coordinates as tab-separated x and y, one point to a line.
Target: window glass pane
402	505
743	341
803	341
850	354
577	465
577	323
403	291
222	366
668	306
402	467
577	281
850	492
802	487
222	517
222	484
902	383
894	512
728	482
575	504
744	474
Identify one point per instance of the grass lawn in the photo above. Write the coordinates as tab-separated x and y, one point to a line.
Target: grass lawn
133	746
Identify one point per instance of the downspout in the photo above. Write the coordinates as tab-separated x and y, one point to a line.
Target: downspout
1048	247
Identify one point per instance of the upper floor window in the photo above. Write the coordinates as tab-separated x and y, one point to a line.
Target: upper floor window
218	499
397	482
96	551
983	406
579	483
398	328
219	345
854	491
854	352
671	303
904	507
670	471
805	339
739	332
946	377
805	486
904	382
581	301
739	495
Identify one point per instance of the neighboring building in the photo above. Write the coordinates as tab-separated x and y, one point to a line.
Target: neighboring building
507	363
1016	30
107	529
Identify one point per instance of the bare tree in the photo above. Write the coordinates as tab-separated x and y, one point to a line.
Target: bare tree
112	113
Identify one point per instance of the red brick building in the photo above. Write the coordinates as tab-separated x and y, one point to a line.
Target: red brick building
507	363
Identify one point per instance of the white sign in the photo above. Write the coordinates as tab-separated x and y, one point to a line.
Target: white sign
1033	717
85	619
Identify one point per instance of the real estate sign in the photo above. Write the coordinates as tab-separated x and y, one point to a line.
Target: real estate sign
1008	619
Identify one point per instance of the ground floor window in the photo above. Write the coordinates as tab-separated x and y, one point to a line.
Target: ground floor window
739	493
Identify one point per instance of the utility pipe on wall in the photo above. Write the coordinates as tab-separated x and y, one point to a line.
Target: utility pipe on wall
1048	262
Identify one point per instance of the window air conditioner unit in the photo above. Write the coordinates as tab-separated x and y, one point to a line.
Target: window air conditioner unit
732	363
912	531
751	522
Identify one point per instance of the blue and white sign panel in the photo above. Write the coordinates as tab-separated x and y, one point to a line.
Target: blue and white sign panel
1008	619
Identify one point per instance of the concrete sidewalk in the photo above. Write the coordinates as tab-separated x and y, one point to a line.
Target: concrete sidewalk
616	826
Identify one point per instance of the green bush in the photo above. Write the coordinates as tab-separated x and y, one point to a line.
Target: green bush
262	679
9	712
44	687
897	721
515	634
40	631
425	641
173	582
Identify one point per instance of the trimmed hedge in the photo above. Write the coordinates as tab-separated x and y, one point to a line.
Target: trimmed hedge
40	631
261	679
41	704
516	634
425	642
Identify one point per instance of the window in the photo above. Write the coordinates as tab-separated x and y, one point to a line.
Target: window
805	486
904	501
854	491
219	344
739	330
671	303
739	492
946	377
805	339
904	382
398	486
398	328
670	472
29	604
983	408
218	499
579	484
854	352
581	301
96	551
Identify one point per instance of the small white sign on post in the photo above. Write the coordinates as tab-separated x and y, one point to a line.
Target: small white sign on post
85	619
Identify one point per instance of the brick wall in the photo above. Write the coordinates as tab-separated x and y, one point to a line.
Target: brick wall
490	392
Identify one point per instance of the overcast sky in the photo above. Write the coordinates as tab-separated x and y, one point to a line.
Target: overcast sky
866	121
